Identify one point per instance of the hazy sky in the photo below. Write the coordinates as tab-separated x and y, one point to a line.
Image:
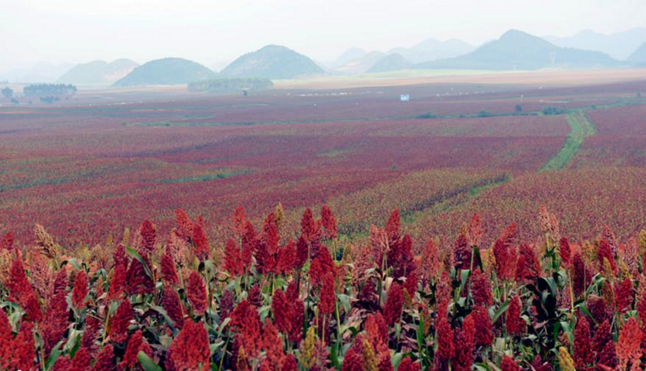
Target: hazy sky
212	31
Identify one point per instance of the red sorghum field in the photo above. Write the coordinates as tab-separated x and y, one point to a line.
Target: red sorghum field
478	227
167	300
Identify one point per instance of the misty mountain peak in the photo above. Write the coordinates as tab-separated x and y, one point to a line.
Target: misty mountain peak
516	35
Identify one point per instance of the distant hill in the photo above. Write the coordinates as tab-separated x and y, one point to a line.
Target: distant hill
393	62
517	50
272	62
347	56
357	61
432	49
639	56
363	64
618	45
98	72
167	71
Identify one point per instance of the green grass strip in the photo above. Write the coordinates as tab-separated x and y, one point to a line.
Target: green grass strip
580	128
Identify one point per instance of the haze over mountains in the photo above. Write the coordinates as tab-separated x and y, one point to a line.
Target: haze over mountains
514	50
618	45
639	56
98	72
362	64
517	50
42	72
357	61
347	56
433	49
393	62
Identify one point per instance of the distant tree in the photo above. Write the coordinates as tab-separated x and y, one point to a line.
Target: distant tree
639	95
485	113
427	115
7	93
551	110
14	101
519	108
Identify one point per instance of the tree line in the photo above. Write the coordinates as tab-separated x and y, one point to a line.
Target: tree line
37	90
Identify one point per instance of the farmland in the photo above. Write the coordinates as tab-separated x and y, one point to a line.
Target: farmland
95	165
187	231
